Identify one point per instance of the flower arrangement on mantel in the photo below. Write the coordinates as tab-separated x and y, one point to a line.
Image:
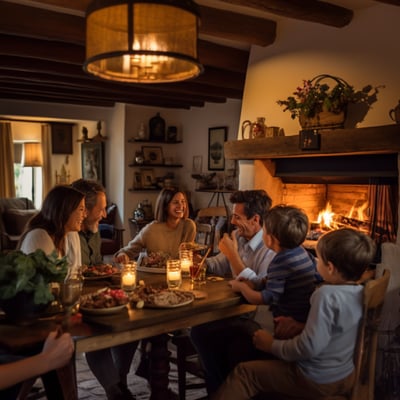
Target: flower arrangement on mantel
318	103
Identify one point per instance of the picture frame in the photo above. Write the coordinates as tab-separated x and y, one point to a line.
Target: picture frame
197	165
93	161
61	138
148	178
153	155
137	180
217	136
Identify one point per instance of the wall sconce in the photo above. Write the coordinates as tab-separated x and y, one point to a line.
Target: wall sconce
142	41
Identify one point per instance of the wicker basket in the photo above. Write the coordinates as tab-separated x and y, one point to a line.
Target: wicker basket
323	120
326	119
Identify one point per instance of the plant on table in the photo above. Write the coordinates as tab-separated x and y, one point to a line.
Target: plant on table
30	273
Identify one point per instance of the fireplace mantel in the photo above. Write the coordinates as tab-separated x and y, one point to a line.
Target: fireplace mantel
371	140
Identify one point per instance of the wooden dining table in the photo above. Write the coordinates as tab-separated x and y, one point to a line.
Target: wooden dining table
99	331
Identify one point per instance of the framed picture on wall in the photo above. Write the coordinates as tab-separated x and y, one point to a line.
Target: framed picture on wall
61	138
93	161
148	179
152	155
216	139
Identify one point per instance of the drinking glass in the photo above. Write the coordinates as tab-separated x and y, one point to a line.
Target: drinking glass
186	258
174	274
128	277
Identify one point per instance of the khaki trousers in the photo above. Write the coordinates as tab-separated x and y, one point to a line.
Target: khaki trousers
276	376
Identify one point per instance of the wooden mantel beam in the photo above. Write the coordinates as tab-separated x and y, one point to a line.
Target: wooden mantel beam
377	139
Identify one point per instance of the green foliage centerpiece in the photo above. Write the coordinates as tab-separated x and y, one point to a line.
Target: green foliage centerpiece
323	100
26	278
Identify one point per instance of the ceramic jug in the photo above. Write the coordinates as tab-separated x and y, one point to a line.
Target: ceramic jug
394	113
256	129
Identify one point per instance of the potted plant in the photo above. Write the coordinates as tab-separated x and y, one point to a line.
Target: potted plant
25	281
320	103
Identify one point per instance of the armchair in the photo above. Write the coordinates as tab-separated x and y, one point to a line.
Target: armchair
14	214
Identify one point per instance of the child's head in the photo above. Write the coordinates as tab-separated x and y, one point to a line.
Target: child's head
349	251
287	224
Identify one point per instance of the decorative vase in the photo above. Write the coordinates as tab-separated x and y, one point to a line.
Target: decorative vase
323	120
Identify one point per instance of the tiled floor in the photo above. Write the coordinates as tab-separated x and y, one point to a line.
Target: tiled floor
90	389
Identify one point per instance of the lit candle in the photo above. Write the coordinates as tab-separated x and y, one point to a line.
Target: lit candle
128	279
174	275
185	265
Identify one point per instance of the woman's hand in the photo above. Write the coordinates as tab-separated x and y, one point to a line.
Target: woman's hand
262	340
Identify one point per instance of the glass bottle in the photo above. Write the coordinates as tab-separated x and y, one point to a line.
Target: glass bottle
71	289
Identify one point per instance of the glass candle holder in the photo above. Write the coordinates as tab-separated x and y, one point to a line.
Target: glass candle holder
128	277
174	274
186	258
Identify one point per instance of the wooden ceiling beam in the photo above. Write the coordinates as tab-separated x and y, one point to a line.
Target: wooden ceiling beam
210	54
224	24
72	29
317	11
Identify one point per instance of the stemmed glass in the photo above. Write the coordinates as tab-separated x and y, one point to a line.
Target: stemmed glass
70	292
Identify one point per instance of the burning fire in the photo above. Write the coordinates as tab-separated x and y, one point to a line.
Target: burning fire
327	219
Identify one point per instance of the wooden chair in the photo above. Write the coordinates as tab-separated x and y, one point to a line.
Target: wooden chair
206	224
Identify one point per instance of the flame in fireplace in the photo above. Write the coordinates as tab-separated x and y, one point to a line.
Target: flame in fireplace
325	217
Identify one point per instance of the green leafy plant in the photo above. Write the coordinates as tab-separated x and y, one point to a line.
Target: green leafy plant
316	96
30	273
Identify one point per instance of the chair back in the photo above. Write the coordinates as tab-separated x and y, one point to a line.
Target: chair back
206	224
365	355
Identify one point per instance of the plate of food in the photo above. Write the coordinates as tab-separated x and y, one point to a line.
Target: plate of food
104	301
101	271
154	263
161	298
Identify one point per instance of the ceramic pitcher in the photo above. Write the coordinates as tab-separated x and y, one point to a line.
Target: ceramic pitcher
394	113
256	129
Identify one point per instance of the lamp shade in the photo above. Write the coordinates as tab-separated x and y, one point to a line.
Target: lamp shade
32	155
142	41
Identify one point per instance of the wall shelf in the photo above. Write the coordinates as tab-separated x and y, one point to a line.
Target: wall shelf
152	141
146	166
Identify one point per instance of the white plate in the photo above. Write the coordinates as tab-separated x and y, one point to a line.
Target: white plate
102	311
152	270
184	303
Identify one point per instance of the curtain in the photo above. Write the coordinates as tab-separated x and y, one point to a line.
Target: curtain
46	150
7	185
384	202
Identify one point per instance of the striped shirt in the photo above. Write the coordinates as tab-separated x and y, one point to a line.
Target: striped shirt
292	278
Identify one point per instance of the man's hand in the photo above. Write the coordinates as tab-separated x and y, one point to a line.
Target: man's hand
121	258
228	244
262	340
287	327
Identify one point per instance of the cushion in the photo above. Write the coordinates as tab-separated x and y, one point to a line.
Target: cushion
15	220
106	231
111	213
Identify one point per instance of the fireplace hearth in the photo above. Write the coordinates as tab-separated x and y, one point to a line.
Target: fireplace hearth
353	169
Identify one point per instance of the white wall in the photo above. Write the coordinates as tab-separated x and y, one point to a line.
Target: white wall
119	124
364	52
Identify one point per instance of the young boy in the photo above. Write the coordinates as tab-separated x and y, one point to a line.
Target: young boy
319	361
291	279
292	273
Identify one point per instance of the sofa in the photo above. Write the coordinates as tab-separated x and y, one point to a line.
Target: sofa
14	214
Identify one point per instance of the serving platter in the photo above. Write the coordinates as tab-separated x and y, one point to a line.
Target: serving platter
102	311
